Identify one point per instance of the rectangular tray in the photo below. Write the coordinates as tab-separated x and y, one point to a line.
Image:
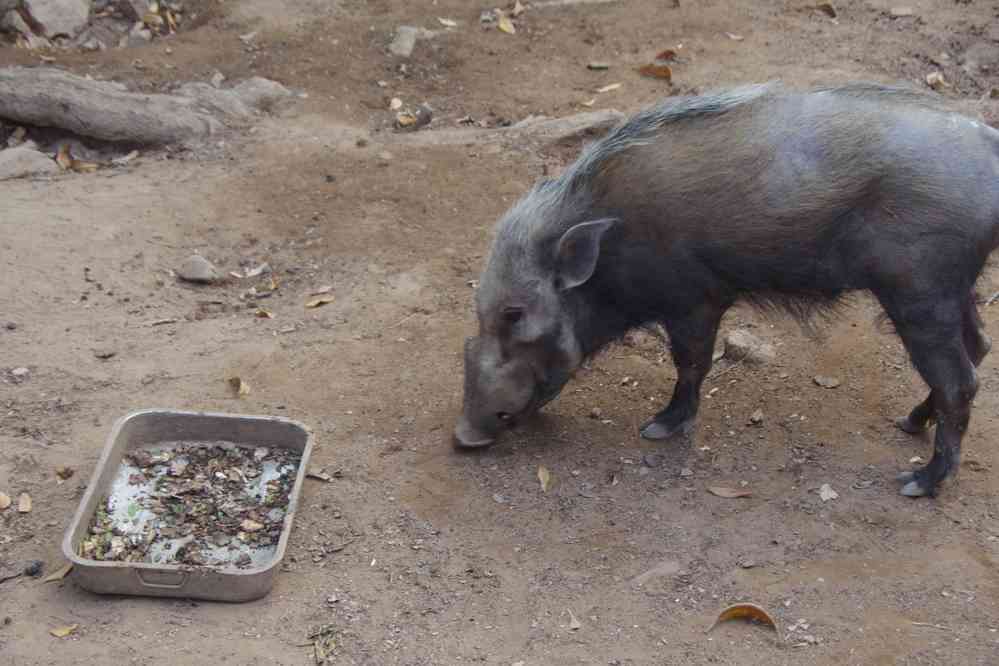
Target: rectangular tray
147	428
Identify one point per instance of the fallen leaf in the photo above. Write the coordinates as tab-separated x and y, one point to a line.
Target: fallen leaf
574	624
405	119
249	525
5	501
545	477
63	632
325	289
826	493
319	475
263	313
239	387
827	9
324	642
447	23
936	81
64	472
319	302
729	493
517	10
669	55
657	72
63	158
84	167
826	381
24	503
609	87
746	611
504	23
58	574
734	37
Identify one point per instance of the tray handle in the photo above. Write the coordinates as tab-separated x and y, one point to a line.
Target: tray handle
162	579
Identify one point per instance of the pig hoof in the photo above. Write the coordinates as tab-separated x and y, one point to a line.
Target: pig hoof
655	430
912	485
906	425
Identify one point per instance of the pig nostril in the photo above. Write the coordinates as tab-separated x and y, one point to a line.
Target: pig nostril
503	416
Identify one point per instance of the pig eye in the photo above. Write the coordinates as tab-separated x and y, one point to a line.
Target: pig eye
513	315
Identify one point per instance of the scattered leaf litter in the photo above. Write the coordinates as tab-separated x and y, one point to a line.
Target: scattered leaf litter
194	503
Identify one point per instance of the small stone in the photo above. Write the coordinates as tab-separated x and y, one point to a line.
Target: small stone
747	563
756	418
23	161
936	81
395	104
686	473
741	345
826	493
405	40
20	373
596	413
826	381
198	269
652	459
58	17
217	79
134	10
24	503
34	568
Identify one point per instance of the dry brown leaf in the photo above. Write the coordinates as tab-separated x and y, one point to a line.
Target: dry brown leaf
657	71
729	493
64	472
24	503
504	23
250	525
239	387
668	55
84	167
263	313
58	574
63	158
63	632
319	302
5	501
936	81
517	10
746	611
545	477
405	119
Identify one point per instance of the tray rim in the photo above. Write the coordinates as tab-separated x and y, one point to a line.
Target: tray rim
77	561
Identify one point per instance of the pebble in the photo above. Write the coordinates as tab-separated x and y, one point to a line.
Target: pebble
34	568
596	413
20	372
686	473
23	161
756	417
198	269
826	382
405	40
58	17
741	345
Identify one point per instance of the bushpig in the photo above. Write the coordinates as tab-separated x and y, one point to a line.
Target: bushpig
762	194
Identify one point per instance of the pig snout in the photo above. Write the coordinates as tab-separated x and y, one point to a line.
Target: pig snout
496	393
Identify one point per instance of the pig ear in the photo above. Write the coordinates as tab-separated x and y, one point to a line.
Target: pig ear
577	252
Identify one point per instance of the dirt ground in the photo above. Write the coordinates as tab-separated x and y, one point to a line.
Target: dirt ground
457	558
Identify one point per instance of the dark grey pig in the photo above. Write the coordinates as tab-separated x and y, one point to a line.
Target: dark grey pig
758	194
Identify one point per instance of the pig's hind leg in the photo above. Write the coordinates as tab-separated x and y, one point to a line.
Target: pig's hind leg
932	327
692	343
977	345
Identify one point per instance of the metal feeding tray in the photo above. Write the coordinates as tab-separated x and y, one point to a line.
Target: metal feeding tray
147	472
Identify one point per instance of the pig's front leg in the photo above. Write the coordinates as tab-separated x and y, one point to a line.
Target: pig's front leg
692	342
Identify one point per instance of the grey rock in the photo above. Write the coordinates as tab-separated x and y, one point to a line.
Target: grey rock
12	22
405	39
741	345
220	101
198	269
133	9
260	93
22	161
58	17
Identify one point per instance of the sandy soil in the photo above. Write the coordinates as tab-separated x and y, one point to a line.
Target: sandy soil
460	558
